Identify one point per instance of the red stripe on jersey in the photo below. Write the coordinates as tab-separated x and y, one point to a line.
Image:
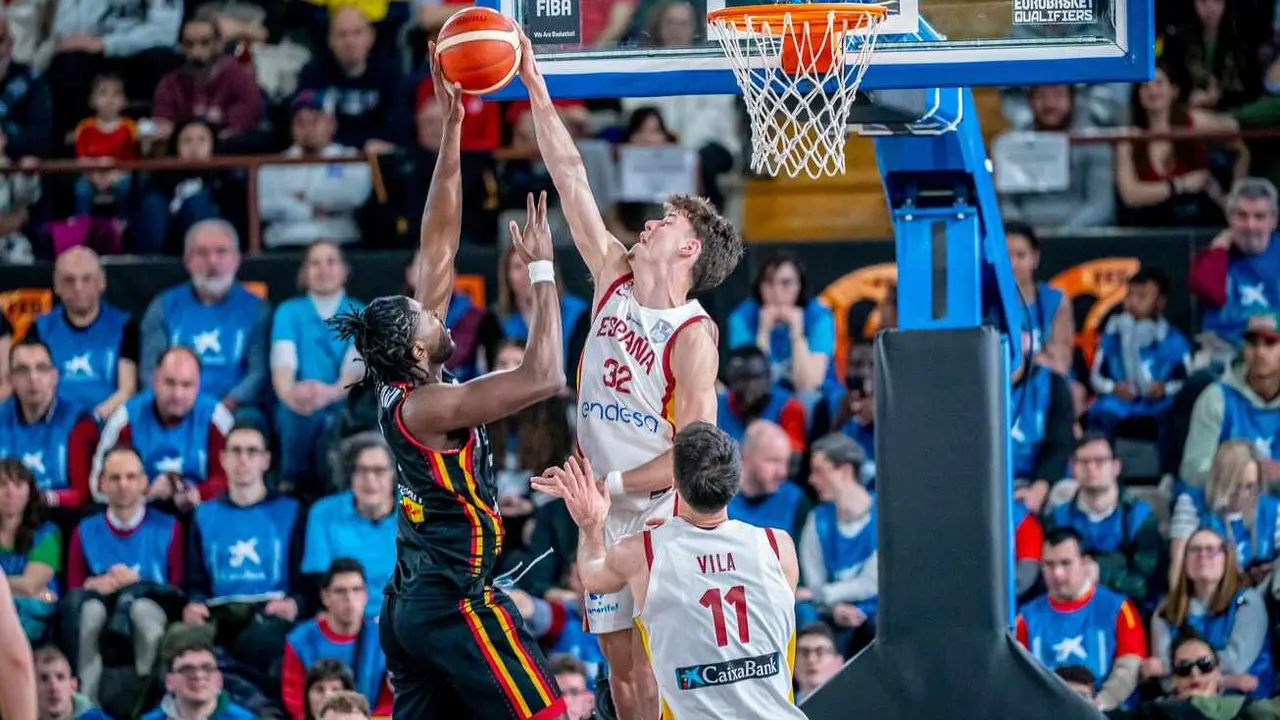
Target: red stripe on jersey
648	549
668	409
773	542
613	288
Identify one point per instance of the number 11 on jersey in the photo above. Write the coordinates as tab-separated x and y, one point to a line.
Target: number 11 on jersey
737	597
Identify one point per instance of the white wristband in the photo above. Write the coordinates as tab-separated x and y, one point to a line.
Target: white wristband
541	271
613	483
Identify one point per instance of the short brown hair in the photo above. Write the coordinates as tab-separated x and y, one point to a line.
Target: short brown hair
345	702
721	246
566	664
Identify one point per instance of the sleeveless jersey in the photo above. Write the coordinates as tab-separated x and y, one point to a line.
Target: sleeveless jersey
449	533
718	622
626	413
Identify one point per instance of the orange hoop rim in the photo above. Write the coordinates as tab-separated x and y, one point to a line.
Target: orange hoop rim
800	13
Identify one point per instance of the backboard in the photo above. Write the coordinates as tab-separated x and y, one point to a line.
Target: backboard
667	49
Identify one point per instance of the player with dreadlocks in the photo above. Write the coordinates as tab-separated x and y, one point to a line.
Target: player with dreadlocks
456	647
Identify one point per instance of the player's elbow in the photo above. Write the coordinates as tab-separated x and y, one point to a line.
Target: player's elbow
601	583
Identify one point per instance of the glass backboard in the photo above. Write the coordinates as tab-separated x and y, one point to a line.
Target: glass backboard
637	48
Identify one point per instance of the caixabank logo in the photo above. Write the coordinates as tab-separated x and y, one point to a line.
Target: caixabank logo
727	672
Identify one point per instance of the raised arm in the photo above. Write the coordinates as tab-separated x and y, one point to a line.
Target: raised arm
604	255
441	408
442	217
601	570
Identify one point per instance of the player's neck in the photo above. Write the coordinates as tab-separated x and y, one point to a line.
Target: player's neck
705	521
659	288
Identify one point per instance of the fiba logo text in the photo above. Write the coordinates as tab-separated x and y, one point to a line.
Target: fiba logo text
618	413
728	672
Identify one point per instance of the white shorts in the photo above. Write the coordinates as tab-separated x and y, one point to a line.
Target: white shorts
612	612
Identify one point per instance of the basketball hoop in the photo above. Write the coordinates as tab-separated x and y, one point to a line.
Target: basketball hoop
799	67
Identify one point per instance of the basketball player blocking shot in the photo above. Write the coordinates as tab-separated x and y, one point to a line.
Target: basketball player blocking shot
648	368
714	597
456	645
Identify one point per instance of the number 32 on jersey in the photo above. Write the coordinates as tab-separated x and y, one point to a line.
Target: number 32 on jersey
617	376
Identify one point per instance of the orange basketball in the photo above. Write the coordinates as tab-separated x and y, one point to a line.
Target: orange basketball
479	49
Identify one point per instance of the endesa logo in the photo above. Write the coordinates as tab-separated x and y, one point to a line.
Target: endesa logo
727	672
616	413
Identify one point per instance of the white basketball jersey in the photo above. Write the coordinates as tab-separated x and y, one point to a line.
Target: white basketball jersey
719	622
626	390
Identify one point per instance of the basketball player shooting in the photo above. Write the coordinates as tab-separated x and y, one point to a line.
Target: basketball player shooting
456	647
648	368
730	654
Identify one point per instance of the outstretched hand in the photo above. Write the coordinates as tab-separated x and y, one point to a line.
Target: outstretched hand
587	500
534	241
448	94
529	71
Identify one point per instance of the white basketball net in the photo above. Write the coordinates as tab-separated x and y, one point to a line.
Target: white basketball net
798	121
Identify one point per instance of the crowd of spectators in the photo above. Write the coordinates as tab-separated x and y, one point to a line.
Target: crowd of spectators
197	512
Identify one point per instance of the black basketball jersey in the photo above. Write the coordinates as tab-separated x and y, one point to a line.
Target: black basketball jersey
449	532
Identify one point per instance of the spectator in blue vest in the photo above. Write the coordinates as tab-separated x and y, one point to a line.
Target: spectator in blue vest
177	429
1077	622
750	395
1140	364
1212	596
311	368
515	306
795	331
1235	504
1238	275
1120	534
242	556
30	548
838	546
817	659
571	677
853	412
115	556
1195	668
766	497
1052	323
1043	432
341	632
359	522
58	694
94	344
49	435
214	315
324	680
193	688
1244	404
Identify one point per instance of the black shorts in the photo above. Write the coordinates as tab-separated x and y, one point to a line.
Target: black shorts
469	659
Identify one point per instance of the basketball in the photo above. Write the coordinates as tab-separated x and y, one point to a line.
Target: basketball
479	49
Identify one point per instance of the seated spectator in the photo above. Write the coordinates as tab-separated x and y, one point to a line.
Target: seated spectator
345	706
178	431
571	677
817	659
324	680
515	305
341	632
19	193
305	203
1163	183
88	39
851	409
118	559
1140	363
751	396
210	86
225	325
26	118
193	688
1234	504
1196	672
243	550
766	497
1089	200
58	689
795	331
1051	322
838	546
1212	48
30	548
364	90
1079	623
1028	549
1212	597
1042	435
360	521
1077	677
106	136
1239	273
537	436
1121	535
311	369
94	344
1243	405
48	434
475	331
175	201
